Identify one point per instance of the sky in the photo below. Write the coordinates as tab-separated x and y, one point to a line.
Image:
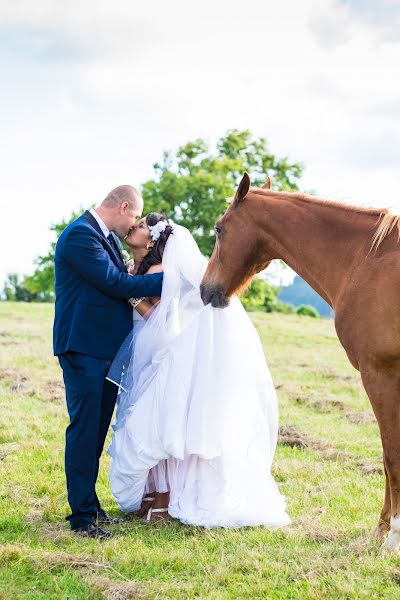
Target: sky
92	93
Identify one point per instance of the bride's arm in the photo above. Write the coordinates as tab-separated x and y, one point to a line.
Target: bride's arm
146	306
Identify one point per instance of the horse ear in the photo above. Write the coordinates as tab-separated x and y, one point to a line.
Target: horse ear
242	190
267	184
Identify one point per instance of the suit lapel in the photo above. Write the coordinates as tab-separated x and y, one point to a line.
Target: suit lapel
110	248
89	217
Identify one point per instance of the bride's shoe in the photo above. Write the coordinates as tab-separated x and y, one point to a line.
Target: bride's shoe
154	515
147	503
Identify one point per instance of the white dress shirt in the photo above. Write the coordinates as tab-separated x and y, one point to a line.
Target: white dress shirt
100	221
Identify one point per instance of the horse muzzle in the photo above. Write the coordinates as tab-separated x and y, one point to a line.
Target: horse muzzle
214	295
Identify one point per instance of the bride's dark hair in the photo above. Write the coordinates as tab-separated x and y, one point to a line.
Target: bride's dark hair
154	257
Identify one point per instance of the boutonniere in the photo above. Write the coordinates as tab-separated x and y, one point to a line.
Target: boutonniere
126	257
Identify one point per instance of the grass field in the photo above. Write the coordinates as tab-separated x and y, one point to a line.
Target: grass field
328	464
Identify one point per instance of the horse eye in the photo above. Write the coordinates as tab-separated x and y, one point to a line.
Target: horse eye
217	230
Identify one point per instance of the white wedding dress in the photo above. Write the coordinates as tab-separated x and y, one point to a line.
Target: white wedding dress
197	410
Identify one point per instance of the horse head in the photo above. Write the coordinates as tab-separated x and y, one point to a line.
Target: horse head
239	251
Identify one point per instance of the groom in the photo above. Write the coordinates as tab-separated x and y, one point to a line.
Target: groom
92	319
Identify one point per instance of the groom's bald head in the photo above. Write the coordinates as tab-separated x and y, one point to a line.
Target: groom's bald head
120	209
121	194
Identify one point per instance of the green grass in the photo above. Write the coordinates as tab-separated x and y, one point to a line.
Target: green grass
333	487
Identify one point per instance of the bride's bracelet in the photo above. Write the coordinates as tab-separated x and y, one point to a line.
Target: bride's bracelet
135	301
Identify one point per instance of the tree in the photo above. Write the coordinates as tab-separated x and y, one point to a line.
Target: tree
15	289
192	185
41	283
259	295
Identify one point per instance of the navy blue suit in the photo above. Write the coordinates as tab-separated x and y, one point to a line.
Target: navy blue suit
92	319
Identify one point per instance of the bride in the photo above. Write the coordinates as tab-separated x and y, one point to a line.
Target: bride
197	417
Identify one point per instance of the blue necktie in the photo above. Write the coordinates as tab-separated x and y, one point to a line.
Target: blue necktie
113	243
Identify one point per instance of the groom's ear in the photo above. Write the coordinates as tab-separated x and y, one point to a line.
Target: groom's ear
242	190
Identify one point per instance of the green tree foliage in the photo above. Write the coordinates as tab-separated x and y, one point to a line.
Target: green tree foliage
283	307
259	295
41	283
15	290
191	186
307	311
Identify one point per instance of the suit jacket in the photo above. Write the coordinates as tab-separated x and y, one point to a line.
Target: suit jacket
92	286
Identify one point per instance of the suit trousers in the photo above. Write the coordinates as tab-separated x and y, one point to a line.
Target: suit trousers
90	402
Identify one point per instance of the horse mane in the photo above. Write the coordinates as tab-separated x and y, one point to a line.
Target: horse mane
388	221
386	226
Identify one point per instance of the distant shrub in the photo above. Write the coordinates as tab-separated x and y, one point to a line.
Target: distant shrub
307	311
283	307
259	295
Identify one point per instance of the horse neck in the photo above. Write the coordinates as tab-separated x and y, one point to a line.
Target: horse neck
321	241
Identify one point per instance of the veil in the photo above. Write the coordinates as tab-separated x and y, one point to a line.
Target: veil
137	359
183	266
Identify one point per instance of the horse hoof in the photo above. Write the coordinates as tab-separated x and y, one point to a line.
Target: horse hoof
380	531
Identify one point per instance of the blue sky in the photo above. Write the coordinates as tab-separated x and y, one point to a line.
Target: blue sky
93	92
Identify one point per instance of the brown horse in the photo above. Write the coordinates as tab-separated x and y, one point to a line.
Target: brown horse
351	257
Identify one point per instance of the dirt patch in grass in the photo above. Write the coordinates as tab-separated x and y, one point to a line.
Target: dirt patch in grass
15	379
34	516
396	576
329	374
369	468
308	527
323	405
35	513
116	590
111	589
53	391
363	543
327	405
321	536
311	533
290	436
54	531
71	560
10	553
6	449
361	418
293	437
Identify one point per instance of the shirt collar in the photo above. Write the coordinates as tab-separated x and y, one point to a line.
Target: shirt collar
100	221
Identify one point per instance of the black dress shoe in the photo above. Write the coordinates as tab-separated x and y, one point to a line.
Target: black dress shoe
104	519
91	530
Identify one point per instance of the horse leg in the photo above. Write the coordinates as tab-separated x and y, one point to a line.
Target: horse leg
379	532
383	390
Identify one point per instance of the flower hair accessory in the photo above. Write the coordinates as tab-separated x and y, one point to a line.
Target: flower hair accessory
157	229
